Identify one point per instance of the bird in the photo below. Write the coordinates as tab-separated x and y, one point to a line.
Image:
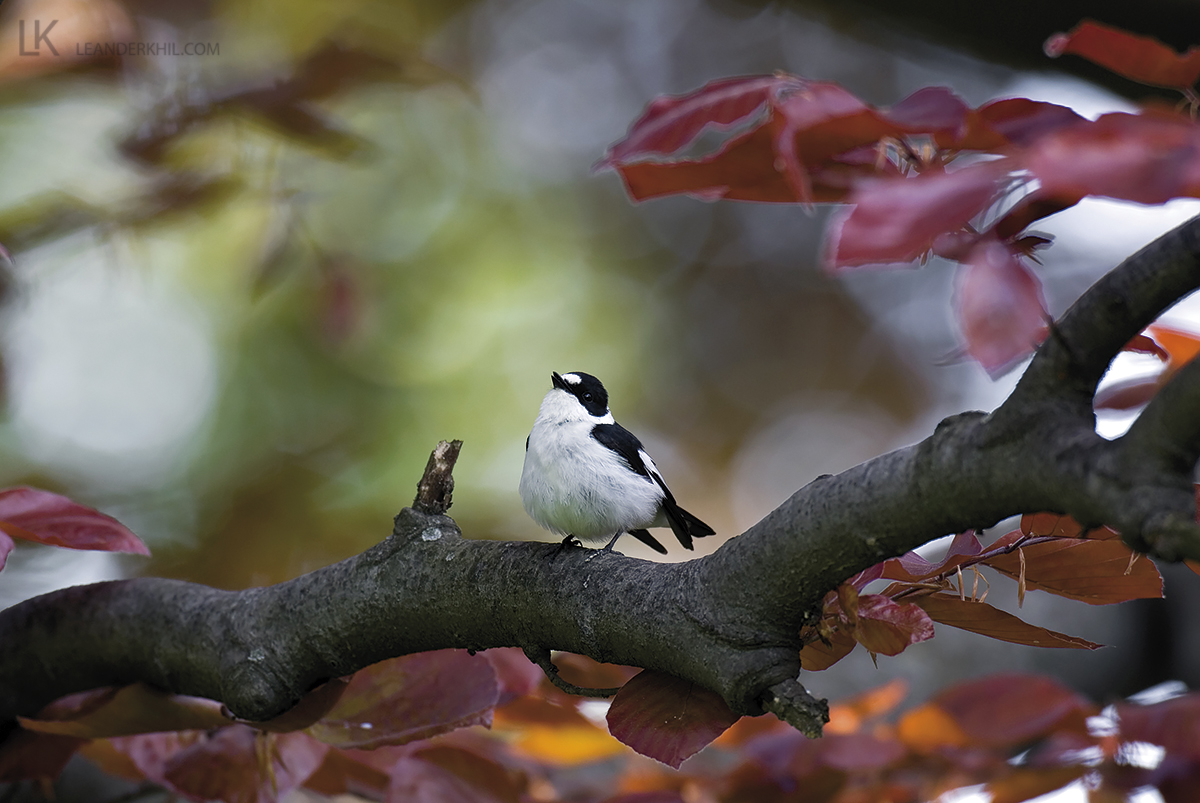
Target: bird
588	478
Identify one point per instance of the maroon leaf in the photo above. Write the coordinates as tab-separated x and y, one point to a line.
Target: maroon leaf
898	220
6	546
1098	572
1173	724
1140	58
411	697
671	122
912	568
666	718
888	627
1005	710
417	781
934	110
48	518
803	150
489	780
821	120
743	169
818	655
224	764
1016	121
515	673
1149	158
1000	308
1142	344
1031	208
1128	394
859	752
981	618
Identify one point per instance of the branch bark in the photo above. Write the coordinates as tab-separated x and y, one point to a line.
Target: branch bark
730	621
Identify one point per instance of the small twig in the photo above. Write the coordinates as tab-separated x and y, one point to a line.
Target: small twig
436	487
792	703
541	657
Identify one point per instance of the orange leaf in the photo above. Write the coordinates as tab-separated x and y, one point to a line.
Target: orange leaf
929	728
122	712
847	716
1180	344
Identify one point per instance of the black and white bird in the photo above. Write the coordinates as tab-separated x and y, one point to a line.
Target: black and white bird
586	477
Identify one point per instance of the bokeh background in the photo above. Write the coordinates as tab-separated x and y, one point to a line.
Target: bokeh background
259	271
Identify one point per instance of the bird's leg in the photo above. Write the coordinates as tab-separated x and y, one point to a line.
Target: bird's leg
609	546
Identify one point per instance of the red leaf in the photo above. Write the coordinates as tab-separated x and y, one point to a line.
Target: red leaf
1173	724
1005	710
859	752
912	568
818	655
934	110
888	627
1149	158
1031	208
1127	395
1016	121
821	120
411	697
1140	58
742	170
515	673
981	618
1143	344
48	518
898	220
788	157
1000	308
1097	572
490	780
666	718
671	122
224	764
6	546
1051	524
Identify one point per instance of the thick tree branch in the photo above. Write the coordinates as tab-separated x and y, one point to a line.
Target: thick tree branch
730	621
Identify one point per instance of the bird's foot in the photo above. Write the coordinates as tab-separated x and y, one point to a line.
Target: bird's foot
568	542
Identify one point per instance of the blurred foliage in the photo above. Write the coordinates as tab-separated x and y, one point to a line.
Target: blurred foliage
328	199
371	271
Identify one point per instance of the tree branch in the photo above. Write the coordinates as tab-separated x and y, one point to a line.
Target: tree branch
729	621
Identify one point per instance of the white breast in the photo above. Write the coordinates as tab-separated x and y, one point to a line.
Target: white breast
572	485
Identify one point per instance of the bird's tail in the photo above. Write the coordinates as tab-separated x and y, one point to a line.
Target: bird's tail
685	525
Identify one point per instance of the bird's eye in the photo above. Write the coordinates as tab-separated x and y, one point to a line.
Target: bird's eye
587	397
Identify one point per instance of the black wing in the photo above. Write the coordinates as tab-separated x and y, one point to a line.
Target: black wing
620	440
625	443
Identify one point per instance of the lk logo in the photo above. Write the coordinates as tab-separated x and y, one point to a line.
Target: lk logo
39	36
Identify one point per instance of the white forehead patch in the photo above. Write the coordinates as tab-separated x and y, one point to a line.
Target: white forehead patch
571	378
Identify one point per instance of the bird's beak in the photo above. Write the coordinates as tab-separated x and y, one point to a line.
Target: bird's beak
557	381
